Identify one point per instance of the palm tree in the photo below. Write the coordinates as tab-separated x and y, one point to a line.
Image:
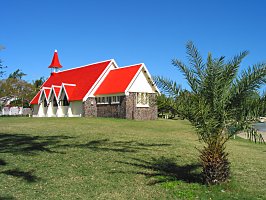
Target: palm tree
168	102
18	74
219	95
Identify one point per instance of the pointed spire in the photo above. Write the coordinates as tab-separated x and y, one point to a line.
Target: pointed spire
55	62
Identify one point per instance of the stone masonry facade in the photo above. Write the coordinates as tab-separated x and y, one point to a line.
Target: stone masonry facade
126	109
141	113
90	107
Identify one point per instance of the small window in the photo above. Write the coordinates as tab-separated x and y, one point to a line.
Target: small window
98	100
142	99
115	99
103	100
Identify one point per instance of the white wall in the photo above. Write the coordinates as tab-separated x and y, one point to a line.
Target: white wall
51	112
62	111
35	109
75	109
42	111
141	84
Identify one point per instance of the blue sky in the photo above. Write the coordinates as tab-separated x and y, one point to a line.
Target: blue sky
149	31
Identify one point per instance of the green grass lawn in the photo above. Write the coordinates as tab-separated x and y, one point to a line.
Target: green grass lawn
93	158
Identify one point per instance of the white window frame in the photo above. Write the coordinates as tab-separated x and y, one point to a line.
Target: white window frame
115	100
102	100
142	99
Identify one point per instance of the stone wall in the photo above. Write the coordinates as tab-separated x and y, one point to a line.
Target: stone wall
90	108
125	109
113	110
141	113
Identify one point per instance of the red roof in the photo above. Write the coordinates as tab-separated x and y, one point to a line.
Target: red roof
57	90
69	91
118	80
55	62
46	92
36	98
83	77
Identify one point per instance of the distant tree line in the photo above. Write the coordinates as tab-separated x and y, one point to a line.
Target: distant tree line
15	87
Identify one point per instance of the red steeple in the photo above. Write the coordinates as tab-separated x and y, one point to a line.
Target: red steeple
55	62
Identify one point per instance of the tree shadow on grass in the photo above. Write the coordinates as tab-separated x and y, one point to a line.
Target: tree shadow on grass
26	176
25	144
162	169
2	162
6	198
28	144
118	146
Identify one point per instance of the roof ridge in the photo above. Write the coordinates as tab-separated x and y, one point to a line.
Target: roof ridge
85	66
124	67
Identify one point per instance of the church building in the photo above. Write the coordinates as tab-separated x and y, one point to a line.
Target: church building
99	89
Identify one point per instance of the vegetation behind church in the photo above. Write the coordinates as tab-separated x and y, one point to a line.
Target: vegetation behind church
15	91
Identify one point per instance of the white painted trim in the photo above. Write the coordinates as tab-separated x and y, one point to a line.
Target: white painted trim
53	91
60	92
100	79
46	88
63	88
40	97
128	66
70	84
152	82
133	79
42	91
143	67
142	106
63	85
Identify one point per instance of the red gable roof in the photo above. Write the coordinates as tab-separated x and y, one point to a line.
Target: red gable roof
54	90
57	90
118	80
69	89
46	92
36	98
83	77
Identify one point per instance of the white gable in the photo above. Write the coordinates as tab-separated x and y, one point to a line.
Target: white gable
141	84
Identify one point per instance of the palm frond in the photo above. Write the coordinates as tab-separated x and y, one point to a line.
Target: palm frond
167	86
192	79
231	69
250	80
195	59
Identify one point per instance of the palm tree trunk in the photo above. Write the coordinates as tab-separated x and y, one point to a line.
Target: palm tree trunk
216	167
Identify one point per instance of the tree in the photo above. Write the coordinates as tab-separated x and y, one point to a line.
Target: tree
218	100
38	83
18	74
15	87
262	105
167	102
